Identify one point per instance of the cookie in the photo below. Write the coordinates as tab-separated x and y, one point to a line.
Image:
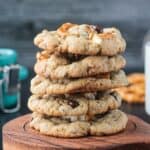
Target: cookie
136	78
110	123
71	118
59	127
75	105
41	86
103	103
82	39
135	91
57	67
58	105
132	97
136	88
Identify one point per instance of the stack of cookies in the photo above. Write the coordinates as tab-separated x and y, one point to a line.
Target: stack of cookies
76	70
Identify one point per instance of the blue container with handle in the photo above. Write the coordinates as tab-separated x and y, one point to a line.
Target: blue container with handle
11	74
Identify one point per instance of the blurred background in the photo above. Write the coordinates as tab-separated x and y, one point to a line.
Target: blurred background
21	20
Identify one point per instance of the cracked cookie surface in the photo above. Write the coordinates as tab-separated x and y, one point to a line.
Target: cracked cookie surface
59	67
110	123
81	39
41	85
76	104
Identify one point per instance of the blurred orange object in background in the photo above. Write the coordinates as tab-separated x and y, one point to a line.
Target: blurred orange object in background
135	91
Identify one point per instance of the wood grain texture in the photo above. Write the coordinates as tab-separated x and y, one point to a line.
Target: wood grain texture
17	135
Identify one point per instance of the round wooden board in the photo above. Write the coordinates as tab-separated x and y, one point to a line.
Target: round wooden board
17	135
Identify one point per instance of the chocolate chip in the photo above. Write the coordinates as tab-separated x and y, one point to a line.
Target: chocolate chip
99	95
100	115
97	28
73	57
73	103
114	95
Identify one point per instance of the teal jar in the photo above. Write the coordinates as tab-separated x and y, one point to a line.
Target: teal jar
10	76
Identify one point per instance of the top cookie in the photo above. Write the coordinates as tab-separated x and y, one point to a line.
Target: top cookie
82	39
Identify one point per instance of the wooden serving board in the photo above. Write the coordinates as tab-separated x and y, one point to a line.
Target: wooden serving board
17	135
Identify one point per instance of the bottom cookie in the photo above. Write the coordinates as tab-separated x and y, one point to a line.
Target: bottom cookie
110	123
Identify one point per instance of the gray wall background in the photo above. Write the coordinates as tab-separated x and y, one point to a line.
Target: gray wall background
20	20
